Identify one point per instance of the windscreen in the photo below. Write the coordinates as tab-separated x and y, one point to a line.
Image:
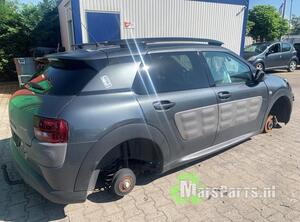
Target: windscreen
257	47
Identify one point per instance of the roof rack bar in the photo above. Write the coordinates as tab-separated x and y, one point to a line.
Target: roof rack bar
148	41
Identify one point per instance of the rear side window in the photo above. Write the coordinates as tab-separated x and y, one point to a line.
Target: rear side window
115	76
297	47
169	72
63	78
286	47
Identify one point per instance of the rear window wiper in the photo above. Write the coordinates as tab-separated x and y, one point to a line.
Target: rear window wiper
35	86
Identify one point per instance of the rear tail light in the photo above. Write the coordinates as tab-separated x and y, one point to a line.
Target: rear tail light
51	130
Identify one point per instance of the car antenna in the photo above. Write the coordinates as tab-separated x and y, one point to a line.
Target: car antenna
90	35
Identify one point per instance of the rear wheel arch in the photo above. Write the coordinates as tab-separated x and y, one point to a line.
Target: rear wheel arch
88	170
292	67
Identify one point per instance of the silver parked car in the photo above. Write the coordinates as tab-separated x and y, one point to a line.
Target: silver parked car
272	55
98	118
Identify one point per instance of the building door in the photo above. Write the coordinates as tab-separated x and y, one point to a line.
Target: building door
102	26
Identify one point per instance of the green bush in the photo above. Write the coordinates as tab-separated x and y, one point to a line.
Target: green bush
22	27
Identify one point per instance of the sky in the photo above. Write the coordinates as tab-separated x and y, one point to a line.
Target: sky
276	3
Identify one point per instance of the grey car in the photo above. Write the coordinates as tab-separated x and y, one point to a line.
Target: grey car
97	119
272	55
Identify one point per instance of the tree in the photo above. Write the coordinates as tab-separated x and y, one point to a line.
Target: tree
24	26
12	43
250	25
268	23
47	32
295	25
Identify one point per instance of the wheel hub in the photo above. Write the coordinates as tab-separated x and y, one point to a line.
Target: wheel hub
293	65
259	66
126	184
269	125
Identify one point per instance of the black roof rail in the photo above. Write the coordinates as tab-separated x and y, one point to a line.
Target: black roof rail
162	40
144	42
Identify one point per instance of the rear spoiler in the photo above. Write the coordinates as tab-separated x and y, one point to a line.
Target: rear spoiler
71	60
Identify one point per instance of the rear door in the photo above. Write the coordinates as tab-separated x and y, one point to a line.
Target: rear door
173	91
297	47
242	104
287	53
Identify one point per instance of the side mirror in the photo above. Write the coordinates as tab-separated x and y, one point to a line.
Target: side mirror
259	75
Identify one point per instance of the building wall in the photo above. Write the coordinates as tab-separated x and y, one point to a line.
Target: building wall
65	14
172	18
248	41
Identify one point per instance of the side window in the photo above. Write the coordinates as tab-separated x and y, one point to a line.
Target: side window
227	69
297	47
286	47
169	72
275	48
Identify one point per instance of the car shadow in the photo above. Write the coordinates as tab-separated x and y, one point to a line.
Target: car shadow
279	71
103	197
20	202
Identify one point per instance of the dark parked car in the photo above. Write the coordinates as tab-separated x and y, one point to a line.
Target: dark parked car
99	118
272	55
297	47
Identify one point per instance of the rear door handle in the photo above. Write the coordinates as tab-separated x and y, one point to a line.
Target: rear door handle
163	105
224	95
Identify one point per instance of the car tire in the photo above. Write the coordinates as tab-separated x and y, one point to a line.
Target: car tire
292	66
123	182
260	66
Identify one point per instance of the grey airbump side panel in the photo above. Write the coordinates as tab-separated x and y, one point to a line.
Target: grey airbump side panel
202	121
237	112
197	122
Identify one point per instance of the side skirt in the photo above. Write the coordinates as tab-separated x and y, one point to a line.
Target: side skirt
205	152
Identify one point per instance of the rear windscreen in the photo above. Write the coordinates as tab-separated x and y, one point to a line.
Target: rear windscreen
62	79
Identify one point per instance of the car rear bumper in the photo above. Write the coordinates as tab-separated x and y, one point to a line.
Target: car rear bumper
35	180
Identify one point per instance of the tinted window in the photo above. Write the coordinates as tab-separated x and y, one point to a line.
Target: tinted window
169	72
286	47
116	76
62	78
256	47
297	46
275	48
227	69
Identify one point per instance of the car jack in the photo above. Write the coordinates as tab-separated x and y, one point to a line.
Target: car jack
7	179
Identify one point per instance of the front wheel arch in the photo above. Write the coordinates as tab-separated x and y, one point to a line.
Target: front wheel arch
278	98
262	63
282	115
